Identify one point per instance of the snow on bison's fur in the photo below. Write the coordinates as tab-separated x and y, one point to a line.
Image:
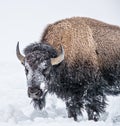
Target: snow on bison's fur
78	59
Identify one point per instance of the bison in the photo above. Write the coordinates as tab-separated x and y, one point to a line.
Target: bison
78	59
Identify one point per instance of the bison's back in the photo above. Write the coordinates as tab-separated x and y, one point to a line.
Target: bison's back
76	38
107	38
85	39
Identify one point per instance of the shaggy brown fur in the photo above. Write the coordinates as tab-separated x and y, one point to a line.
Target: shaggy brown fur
85	39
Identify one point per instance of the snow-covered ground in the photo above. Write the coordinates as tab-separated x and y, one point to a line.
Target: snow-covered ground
24	21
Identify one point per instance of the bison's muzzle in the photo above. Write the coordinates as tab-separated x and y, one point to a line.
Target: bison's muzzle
35	92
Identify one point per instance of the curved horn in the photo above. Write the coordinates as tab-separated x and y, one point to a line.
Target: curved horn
59	59
19	55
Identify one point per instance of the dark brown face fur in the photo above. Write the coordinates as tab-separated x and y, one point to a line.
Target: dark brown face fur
38	69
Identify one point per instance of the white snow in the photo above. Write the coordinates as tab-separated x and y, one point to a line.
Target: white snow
24	21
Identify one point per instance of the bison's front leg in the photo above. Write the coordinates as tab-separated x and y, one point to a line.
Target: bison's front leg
95	106
71	111
73	108
92	115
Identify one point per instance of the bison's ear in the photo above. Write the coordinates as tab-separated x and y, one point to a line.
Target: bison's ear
19	55
59	59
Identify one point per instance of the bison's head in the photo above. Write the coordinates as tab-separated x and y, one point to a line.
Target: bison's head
39	61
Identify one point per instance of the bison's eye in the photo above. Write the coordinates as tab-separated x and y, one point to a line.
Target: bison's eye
26	71
46	71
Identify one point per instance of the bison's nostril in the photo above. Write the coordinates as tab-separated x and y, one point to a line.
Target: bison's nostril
37	93
33	89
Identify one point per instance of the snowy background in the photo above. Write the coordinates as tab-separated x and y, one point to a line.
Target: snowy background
24	21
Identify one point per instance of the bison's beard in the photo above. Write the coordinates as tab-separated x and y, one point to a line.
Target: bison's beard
39	103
